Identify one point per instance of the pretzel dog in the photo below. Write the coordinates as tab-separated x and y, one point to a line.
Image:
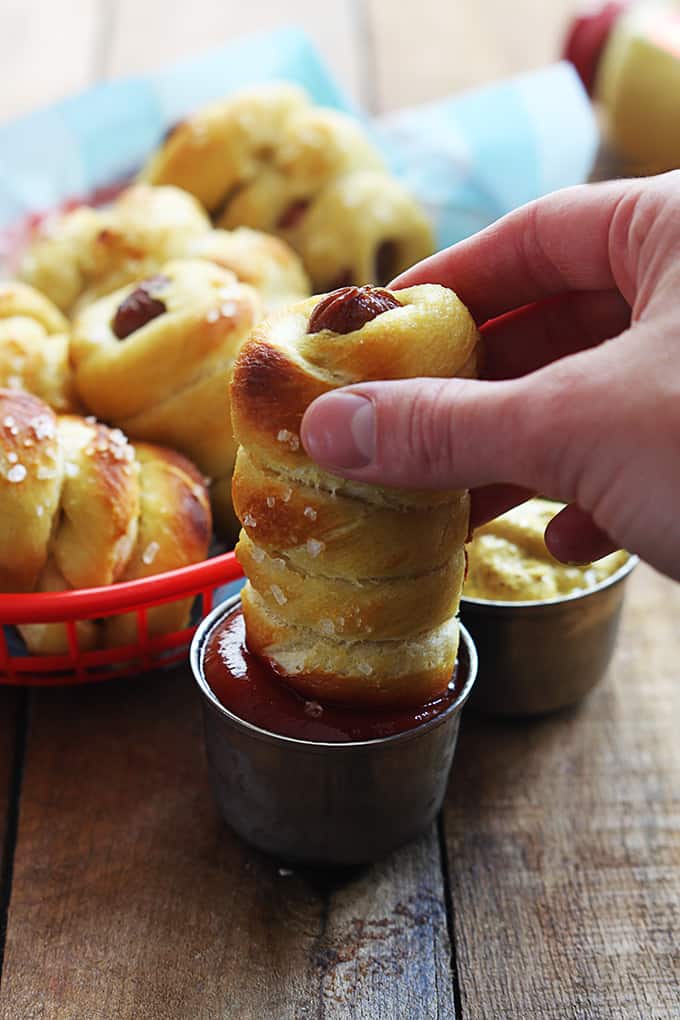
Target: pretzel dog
267	158
352	589
155	358
81	508
34	346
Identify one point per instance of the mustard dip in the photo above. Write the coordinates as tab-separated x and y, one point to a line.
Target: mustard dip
508	560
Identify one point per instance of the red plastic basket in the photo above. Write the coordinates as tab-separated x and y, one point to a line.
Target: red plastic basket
202	580
19	668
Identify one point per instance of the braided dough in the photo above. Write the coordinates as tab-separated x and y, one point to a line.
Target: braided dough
167	379
267	158
81	508
352	589
34	346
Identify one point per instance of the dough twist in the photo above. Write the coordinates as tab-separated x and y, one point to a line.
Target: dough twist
352	589
155	360
267	158
34	346
81	508
89	253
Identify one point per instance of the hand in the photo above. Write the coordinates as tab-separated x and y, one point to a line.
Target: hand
577	297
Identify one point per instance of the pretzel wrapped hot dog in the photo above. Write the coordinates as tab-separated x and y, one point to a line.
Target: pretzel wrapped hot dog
267	158
155	359
353	589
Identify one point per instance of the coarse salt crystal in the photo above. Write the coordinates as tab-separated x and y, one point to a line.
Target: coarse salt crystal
310	512
39	510
249	521
228	309
71	469
91	420
8	421
16	473
12	457
14	430
284	436
278	594
43	426
365	668
314	547
213	315
327	627
270	501
149	554
28	442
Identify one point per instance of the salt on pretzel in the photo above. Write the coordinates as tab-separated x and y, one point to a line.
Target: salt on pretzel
352	589
80	507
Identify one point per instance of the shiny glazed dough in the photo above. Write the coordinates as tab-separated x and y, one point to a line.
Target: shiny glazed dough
353	589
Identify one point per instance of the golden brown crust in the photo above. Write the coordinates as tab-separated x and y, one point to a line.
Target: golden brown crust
82	508
174	531
168	380
353	589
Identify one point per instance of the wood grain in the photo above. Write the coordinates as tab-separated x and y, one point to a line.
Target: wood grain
430	49
154	33
47	50
130	898
564	841
12	722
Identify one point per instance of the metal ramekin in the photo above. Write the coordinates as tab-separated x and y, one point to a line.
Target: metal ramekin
320	803
536	657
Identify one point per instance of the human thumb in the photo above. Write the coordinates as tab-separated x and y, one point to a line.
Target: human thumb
430	433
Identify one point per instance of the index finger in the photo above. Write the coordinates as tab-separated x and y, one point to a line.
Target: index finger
558	243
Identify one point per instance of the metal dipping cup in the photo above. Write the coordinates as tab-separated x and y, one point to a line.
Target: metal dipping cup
327	804
537	657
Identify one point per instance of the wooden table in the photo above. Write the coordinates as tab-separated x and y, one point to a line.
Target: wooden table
550	886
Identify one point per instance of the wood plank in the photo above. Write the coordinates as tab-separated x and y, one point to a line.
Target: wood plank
153	34
131	899
441	48
12	726
564	841
47	51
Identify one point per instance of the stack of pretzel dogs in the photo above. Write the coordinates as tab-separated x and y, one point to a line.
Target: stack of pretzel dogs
132	328
352	589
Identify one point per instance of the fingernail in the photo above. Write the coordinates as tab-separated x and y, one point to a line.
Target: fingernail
338	430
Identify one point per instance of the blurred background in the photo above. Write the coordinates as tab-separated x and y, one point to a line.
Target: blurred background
384	53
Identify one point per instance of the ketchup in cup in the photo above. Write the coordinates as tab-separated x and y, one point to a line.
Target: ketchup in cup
249	687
